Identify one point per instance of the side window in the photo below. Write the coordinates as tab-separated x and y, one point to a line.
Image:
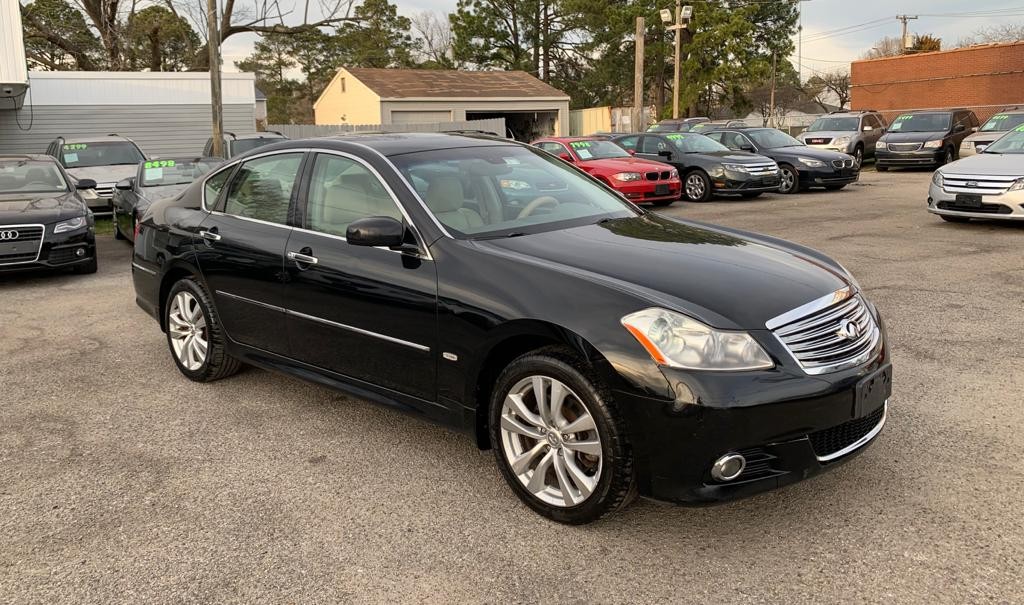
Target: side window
652	145
341	191
715	136
973	120
628	142
553	148
262	188
213	187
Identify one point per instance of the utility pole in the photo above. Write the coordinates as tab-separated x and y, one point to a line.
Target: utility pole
771	97
675	78
216	99
903	37
638	78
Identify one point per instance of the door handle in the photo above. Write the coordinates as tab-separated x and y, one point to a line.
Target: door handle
305	259
209	236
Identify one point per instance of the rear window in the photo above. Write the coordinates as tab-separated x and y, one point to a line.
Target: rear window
103	153
31	176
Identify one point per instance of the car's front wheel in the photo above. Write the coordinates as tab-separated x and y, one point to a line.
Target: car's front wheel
697	186
558	438
194	334
790	179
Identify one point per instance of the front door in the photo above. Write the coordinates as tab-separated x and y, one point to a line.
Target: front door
241	254
369	314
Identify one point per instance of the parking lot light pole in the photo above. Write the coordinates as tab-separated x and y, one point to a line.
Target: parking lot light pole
683	14
213	45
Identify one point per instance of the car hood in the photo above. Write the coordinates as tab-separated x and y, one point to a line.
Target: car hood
725	279
825	134
738	157
987	164
152	194
104	174
29	208
990	135
912	137
612	165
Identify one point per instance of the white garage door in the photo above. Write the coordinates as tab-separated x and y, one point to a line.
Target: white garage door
420	117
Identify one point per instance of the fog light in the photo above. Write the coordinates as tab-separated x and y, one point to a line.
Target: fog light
728	467
79	251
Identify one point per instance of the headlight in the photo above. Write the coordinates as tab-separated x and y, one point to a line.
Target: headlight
933	144
678	341
969	144
627	176
735	167
75	223
841	141
811	162
937	178
1017	185
880	145
673	174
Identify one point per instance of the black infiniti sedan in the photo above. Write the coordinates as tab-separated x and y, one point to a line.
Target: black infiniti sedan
153	180
44	220
600	350
801	167
705	166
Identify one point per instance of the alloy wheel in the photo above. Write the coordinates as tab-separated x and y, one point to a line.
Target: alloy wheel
186	326
550	441
788	180
695	187
858	157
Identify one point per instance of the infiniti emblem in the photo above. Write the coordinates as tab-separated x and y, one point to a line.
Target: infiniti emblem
848	330
8	235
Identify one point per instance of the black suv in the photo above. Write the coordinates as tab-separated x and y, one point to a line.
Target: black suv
236	144
677	124
705	166
924	138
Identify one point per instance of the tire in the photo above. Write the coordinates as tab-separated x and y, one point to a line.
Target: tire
881	168
588	471
117	230
858	156
696	186
750	196
790	179
662	203
86	268
184	299
834	187
948	158
955	219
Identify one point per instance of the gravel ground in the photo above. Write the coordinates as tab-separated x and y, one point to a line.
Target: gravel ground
120	481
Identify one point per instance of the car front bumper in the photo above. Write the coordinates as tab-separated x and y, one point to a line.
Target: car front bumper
909	159
847	149
59	251
779	420
737	182
649	191
826	176
1006	206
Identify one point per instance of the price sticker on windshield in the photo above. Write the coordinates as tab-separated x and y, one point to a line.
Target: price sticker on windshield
674	137
70	158
580	144
153	174
159	164
1019	128
75	146
999	117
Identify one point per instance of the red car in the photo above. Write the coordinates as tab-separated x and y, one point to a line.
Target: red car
639	180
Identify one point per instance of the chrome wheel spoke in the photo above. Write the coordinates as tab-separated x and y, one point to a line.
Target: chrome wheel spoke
592	447
581	424
558	394
584	483
186	329
515	401
540	395
538	481
511	424
564	483
522	464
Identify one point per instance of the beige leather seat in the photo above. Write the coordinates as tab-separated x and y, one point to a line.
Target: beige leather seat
347	200
445	199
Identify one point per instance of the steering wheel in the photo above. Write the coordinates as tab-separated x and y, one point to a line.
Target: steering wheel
544	200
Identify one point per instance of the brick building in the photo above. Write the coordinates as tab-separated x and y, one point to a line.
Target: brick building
983	78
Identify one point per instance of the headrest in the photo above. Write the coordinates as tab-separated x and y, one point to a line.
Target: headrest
444	193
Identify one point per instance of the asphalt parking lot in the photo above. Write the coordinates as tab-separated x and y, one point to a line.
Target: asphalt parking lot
121	481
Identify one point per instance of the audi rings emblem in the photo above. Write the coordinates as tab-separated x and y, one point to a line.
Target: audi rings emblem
9	234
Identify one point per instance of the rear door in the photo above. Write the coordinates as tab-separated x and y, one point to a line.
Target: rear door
369	314
241	255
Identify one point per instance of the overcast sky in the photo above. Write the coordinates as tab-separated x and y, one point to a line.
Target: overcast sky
823	47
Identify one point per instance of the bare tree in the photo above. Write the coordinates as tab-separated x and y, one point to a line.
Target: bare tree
831	84
886	47
434	35
1008	32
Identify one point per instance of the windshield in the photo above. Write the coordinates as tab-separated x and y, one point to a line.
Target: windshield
1011	142
840	124
31	176
157	173
695	143
243	145
106	153
921	122
597	150
483	192
669	127
771	138
1003	122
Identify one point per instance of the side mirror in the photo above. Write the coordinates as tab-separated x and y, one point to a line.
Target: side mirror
565	156
376	231
631	151
868	128
665	153
959	128
749	148
85	184
124	185
974	129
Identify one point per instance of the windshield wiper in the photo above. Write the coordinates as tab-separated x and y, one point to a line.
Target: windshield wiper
500	235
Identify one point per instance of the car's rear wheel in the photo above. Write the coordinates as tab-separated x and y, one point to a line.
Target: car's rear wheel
194	334
559	440
790	180
697	186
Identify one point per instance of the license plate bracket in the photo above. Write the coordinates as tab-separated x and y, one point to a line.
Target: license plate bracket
661	190
968	199
872	392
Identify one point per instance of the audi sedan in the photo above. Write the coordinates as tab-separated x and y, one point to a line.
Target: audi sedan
600	350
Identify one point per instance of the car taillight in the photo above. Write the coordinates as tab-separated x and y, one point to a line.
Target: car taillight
138	227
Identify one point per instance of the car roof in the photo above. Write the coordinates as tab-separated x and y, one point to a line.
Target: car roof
185	158
571	139
96	138
37	157
256	135
389	144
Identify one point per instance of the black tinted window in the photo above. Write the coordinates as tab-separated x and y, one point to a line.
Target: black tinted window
262	188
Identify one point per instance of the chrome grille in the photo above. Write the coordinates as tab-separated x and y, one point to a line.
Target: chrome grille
842	163
762	169
978	184
22	247
106	191
832	333
905	146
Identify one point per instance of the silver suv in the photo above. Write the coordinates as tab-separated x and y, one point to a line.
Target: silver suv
105	159
236	144
852	132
